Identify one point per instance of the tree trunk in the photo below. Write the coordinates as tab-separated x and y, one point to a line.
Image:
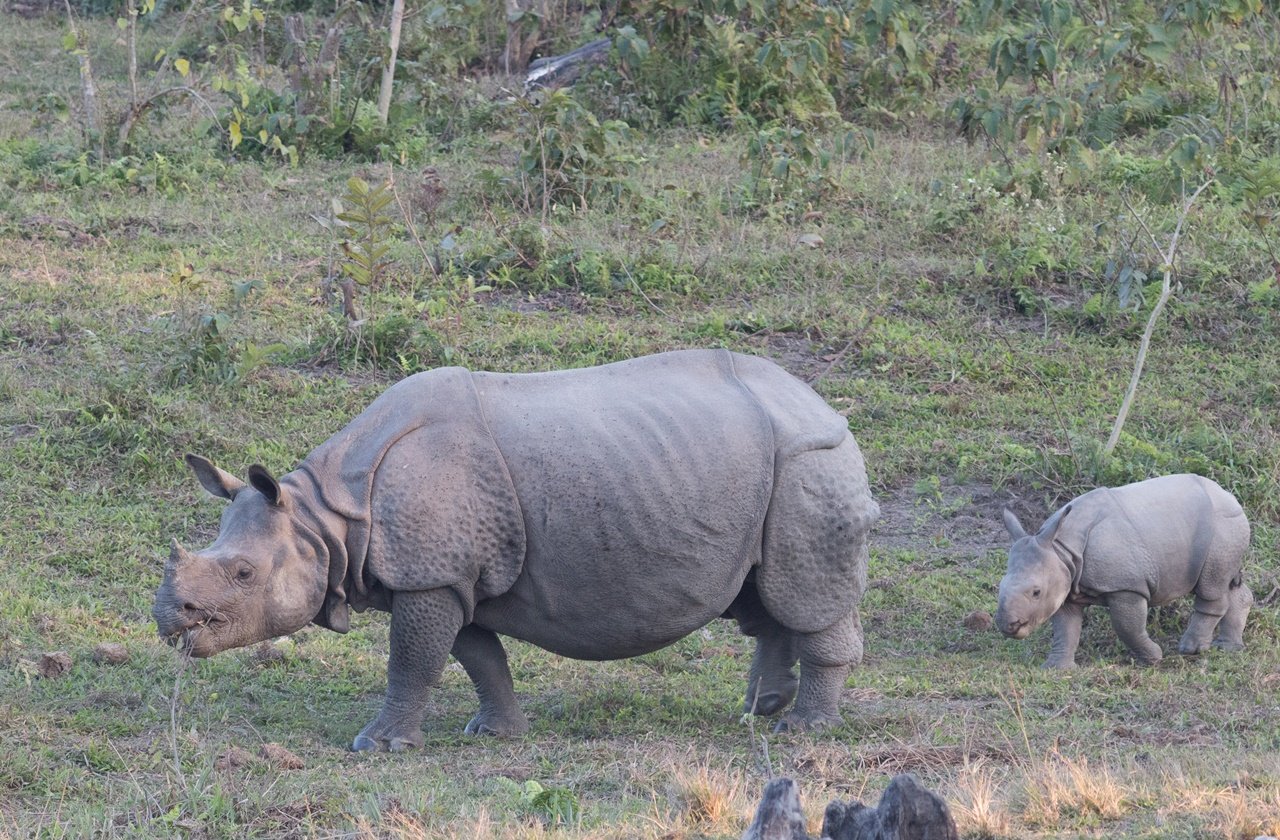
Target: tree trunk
389	70
88	88
521	44
131	25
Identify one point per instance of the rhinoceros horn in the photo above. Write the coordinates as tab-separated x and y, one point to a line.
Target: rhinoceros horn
178	557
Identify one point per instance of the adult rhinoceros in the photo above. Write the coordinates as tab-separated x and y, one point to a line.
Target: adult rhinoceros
598	513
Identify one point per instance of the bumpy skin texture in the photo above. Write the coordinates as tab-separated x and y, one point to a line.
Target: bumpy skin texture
1128	548
598	513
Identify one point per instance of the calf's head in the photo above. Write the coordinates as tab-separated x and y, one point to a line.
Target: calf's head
264	576
1037	580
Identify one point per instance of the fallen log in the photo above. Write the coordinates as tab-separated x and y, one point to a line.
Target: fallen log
563	70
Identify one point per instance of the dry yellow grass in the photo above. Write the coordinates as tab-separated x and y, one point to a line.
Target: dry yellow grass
977	801
1061	789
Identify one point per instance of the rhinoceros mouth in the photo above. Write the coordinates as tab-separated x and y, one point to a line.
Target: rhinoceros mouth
193	638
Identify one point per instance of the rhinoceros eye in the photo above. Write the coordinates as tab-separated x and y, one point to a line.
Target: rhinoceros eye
244	574
1035	593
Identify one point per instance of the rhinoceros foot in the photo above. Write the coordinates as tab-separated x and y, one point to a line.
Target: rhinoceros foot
497	725
770	696
770	703
794	721
1226	644
385	734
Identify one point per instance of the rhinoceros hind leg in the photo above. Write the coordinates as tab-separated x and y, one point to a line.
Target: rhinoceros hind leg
1204	620
481	654
1231	628
771	685
423	628
825	659
1129	618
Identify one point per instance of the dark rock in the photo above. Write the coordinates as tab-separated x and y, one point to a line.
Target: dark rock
779	816
907	811
979	621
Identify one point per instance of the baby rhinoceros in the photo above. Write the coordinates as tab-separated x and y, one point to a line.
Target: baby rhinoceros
599	513
1129	547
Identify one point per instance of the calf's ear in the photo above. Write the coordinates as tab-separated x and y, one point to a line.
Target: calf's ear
224	485
1013	526
1049	529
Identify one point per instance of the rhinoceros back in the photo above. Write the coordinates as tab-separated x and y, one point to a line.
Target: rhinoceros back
1160	537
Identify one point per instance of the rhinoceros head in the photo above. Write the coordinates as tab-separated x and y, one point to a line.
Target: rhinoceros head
1037	580
265	575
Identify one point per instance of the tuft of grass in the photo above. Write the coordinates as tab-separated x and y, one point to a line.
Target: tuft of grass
1065	790
706	800
977	802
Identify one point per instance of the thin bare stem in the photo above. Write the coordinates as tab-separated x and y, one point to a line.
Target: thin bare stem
408	221
183	661
1166	290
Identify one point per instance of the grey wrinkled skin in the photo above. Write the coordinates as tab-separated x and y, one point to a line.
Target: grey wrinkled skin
599	513
1129	548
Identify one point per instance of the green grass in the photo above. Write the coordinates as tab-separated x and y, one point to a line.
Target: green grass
963	398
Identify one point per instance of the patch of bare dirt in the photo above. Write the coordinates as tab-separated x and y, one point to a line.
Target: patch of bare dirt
948	520
54	665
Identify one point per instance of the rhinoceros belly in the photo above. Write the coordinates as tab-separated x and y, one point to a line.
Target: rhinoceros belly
643	488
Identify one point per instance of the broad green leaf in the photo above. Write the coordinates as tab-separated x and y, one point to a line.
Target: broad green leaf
233	128
182	66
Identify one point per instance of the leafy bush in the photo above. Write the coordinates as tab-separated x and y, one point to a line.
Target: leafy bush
569	156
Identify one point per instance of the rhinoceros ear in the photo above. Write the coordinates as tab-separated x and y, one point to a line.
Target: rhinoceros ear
266	484
1049	529
224	485
1013	526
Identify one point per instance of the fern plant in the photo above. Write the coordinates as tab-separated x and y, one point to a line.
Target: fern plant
364	250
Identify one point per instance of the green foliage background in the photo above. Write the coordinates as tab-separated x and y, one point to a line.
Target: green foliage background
939	214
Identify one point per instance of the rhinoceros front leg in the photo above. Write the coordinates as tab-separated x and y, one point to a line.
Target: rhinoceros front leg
825	659
423	628
771	685
1067	623
1129	618
481	654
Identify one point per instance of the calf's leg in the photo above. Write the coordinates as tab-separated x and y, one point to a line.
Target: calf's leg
1067	622
1231	628
1129	618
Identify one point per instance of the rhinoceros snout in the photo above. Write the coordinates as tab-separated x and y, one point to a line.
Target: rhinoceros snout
1015	628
